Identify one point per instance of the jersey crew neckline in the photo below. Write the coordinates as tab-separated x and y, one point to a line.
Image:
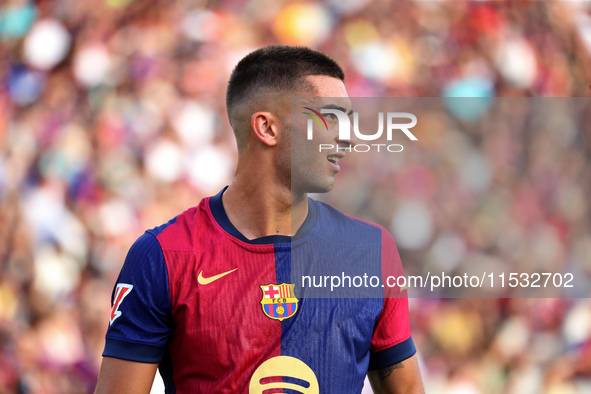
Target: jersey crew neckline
219	214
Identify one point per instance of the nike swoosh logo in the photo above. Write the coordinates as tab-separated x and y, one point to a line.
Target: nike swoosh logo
206	281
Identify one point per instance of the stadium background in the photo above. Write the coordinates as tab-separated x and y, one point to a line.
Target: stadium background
112	121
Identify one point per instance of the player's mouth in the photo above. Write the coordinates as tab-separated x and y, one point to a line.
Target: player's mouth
334	159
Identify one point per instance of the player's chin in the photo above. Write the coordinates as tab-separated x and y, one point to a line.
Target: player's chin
319	186
330	185
324	186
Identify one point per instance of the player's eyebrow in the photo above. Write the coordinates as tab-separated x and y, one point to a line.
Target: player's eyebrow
340	108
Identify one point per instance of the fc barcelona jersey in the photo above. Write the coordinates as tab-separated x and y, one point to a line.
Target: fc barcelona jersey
224	314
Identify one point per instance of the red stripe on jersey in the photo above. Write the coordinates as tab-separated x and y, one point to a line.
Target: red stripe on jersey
219	327
393	325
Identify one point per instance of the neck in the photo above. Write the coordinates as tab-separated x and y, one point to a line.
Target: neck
258	207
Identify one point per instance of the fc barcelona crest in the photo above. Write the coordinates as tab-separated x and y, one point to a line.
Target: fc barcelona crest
279	301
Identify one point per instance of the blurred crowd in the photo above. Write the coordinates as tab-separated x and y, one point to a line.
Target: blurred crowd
112	121
504	193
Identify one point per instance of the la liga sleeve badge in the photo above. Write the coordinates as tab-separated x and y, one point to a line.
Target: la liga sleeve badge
279	301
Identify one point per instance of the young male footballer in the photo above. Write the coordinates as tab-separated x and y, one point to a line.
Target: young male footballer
211	297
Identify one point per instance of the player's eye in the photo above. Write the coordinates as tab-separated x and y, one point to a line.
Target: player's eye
331	120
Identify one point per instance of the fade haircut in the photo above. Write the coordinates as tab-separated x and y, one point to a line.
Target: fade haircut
278	68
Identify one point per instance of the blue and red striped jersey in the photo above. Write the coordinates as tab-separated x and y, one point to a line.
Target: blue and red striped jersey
224	314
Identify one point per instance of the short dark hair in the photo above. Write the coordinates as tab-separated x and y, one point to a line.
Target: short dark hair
277	67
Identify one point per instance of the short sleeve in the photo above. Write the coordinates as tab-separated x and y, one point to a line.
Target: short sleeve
392	341
140	322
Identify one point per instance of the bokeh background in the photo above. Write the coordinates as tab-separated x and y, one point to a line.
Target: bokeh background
492	185
112	121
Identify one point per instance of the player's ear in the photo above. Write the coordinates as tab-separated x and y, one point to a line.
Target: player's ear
265	127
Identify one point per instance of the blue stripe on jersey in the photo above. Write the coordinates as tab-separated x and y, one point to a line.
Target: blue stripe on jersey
145	269
392	355
137	351
323	330
339	324
342	247
126	338
166	372
283	263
